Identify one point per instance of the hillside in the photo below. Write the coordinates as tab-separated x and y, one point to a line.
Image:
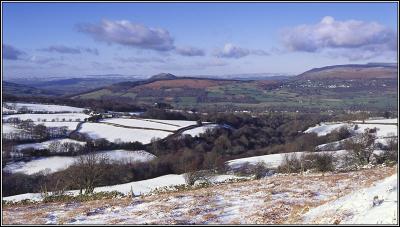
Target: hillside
185	90
279	199
76	84
332	87
352	71
24	90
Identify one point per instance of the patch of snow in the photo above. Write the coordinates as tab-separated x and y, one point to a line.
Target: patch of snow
137	187
383	130
179	123
199	130
46	144
112	133
46	108
141	123
7	128
58	163
358	207
324	129
49	117
377	121
273	160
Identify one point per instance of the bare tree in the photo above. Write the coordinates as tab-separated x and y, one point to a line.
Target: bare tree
361	147
87	171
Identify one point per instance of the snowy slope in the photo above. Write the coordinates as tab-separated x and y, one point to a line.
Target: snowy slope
5	110
46	144
51	164
377	121
141	123
49	117
47	108
324	128
383	130
70	125
7	128
137	187
272	160
58	163
199	130
112	133
357	207
279	199
179	123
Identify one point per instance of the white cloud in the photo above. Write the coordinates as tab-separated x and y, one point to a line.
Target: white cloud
329	33
128	33
232	51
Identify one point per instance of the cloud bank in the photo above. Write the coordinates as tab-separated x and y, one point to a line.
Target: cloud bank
127	33
352	35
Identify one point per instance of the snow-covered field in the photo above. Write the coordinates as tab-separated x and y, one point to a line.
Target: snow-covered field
178	123
199	130
279	199
70	125
274	160
5	110
383	130
142	187
46	144
113	133
58	163
323	129
7	128
357	207
378	121
46	108
142	123
49	117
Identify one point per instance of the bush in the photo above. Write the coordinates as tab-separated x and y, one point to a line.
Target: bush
193	176
82	197
290	164
260	170
321	162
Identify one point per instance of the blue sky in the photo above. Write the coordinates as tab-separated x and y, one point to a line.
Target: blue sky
70	39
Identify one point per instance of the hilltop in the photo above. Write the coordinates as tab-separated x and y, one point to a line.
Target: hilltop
352	71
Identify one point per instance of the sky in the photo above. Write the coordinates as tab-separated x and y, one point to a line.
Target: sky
74	39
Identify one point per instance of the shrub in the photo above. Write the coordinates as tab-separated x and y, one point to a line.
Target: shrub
321	162
260	170
290	164
361	147
193	176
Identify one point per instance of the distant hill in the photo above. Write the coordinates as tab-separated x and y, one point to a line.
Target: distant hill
163	76
352	71
167	87
75	85
15	89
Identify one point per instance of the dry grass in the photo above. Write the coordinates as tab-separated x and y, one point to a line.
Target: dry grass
280	199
